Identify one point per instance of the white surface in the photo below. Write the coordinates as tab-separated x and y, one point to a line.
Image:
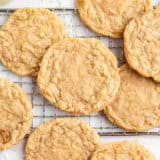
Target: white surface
152	143
45	3
39	3
41	108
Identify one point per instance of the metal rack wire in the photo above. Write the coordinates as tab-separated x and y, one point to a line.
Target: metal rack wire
42	110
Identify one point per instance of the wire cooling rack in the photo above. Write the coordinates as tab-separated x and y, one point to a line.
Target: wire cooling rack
42	110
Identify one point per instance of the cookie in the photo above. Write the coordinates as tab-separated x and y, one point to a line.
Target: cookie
123	150
141	44
15	114
137	104
109	17
62	138
79	75
26	36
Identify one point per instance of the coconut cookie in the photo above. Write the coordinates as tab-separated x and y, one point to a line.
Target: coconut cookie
62	139
141	44
109	17
137	104
79	76
15	114
123	150
26	36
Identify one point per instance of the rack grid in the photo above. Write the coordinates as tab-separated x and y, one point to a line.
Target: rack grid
42	110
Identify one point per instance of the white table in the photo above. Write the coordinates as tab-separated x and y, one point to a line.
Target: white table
17	152
45	3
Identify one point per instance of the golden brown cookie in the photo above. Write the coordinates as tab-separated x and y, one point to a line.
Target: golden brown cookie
137	104
123	150
109	17
141	44
62	139
79	75
26	36
15	114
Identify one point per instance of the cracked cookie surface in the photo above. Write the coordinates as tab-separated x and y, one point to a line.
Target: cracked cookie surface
79	75
26	36
62	139
15	114
109	17
123	150
141	44
137	104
